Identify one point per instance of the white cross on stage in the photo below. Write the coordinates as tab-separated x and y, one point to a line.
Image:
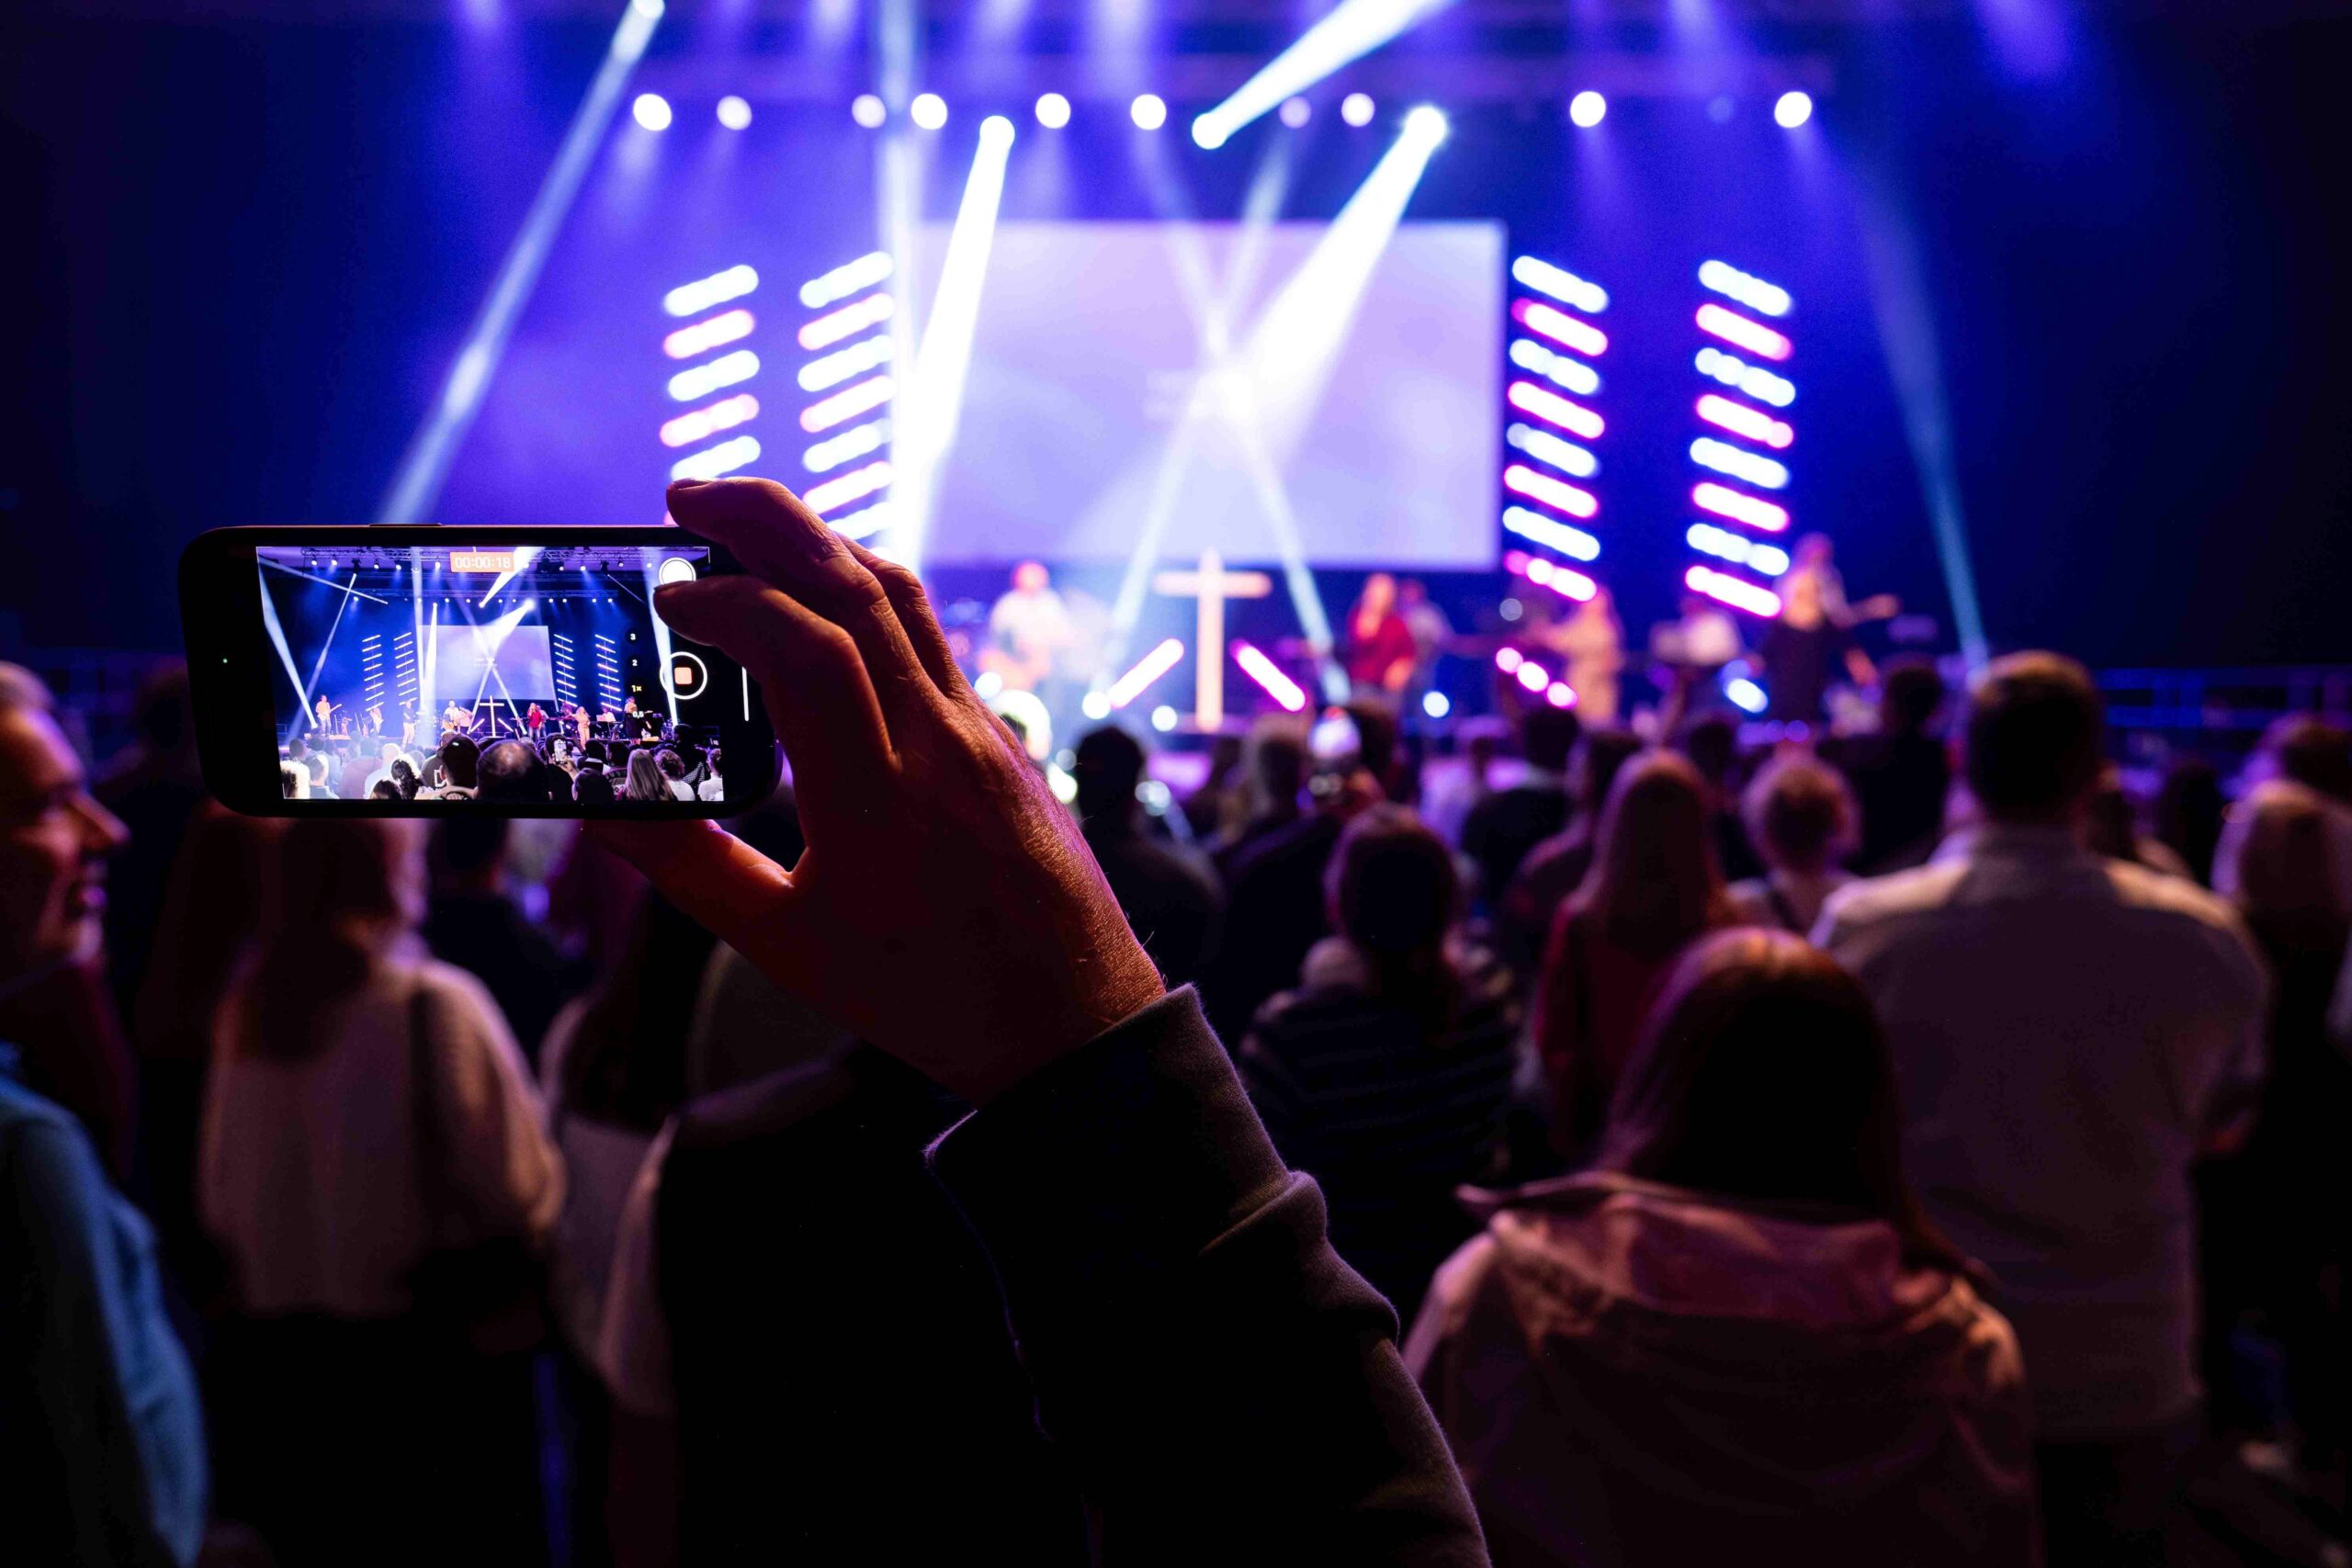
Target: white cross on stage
1212	585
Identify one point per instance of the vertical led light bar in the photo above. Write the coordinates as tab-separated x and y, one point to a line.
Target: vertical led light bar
709	361
609	672
1550	423
1740	517
848	378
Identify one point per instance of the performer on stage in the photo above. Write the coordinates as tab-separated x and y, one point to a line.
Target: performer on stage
455	720
1593	642
1381	652
1028	628
535	721
324	708
408	726
1813	633
580	725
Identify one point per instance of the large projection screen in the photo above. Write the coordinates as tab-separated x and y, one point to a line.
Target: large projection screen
463	658
1356	409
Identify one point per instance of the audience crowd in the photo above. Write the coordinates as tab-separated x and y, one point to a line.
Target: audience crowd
1662	1149
537	770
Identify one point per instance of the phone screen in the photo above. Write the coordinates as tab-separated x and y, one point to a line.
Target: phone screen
535	675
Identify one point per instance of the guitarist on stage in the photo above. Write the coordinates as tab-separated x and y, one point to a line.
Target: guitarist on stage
1027	628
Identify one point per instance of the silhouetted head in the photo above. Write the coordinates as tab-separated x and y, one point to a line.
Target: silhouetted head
1109	765
509	771
1391	889
1764	1076
461	762
1548	736
2036	738
1276	765
2312	752
1599	756
1654	884
1799	814
1712	742
1910	691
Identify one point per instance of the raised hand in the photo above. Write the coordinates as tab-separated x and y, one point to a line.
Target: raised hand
946	908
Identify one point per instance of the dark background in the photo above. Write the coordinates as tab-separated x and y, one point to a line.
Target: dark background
242	249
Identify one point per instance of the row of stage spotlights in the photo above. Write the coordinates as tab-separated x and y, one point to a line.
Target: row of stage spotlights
1147	111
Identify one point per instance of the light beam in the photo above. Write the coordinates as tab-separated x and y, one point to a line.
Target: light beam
416	485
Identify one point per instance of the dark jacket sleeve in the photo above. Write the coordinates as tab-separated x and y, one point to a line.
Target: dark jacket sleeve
1227	1389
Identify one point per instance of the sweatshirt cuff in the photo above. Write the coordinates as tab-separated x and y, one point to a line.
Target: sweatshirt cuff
1118	1163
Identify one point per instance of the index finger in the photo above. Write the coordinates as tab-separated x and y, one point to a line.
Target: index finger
722	883
775	536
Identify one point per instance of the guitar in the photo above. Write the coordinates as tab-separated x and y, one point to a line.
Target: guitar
1018	671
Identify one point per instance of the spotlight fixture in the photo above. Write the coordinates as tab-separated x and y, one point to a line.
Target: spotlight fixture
1587	108
734	113
1296	112
1356	108
928	111
868	111
1150	111
1052	111
1793	110
652	111
1426	123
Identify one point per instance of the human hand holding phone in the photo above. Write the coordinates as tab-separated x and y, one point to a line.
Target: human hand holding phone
946	908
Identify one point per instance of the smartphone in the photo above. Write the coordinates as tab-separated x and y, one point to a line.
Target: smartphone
425	670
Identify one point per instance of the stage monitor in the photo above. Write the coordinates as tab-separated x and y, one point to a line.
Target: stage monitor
1230	384
495	661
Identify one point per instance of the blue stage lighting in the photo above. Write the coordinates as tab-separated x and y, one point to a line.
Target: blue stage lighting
651	111
1356	108
1150	111
1793	110
1587	108
868	111
1426	123
928	111
416	485
1052	111
1296	112
734	113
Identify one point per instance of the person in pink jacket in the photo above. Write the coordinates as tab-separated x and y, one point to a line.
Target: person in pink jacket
1736	1337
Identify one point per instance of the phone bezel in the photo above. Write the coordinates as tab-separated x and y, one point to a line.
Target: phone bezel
229	657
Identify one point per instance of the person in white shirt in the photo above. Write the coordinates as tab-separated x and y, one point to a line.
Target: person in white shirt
1028	629
368	1111
2070	1032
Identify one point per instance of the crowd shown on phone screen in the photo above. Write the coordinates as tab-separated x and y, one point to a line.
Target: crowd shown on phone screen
514	770
1905	1147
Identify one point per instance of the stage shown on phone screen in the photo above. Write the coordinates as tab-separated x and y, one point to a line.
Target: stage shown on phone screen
380	656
